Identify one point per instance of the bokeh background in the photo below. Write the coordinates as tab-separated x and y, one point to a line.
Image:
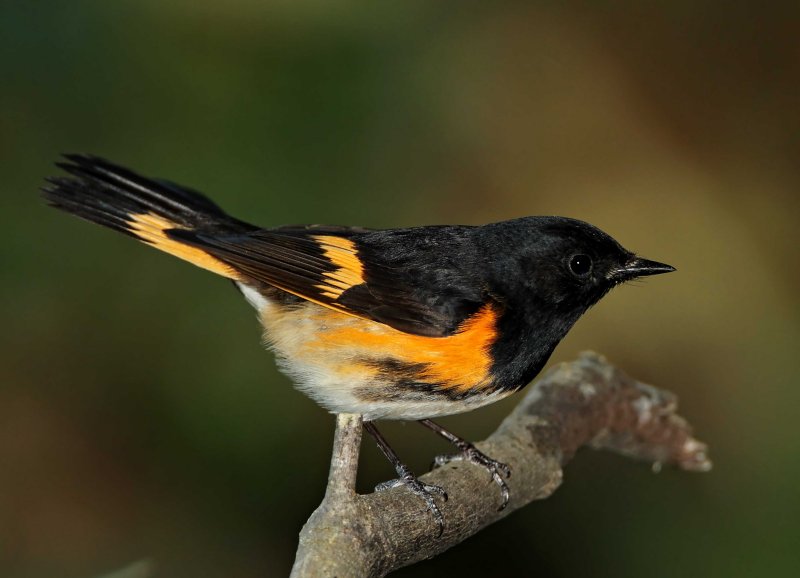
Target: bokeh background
141	419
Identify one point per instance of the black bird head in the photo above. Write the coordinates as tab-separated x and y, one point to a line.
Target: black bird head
567	265
546	272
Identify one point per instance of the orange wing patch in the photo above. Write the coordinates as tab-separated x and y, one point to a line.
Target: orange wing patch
150	228
350	271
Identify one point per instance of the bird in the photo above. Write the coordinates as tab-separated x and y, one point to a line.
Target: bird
391	324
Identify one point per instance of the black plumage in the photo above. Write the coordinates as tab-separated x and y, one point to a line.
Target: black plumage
401	323
423	280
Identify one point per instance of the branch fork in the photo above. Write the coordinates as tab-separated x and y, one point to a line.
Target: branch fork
587	402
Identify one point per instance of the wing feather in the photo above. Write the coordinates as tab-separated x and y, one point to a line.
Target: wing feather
332	267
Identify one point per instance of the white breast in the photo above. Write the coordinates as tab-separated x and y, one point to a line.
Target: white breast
329	374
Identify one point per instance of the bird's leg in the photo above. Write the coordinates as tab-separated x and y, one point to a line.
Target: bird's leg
470	453
421	489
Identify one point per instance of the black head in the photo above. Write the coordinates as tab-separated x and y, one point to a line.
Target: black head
565	265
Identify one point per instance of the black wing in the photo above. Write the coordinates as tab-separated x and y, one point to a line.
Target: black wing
423	280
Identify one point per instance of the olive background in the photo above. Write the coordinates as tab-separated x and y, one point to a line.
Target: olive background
141	419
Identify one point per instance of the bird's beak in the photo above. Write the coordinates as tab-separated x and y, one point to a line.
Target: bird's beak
638	267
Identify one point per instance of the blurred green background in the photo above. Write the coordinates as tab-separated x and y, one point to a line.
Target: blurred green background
139	416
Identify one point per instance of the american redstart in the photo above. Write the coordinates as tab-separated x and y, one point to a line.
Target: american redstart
406	324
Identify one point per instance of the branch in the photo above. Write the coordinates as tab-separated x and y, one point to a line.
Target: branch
585	402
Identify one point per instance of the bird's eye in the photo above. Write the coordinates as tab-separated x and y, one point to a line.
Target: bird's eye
580	265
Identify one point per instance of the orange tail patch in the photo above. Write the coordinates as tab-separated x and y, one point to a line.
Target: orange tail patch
151	228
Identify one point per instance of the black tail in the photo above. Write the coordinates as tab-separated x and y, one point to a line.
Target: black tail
146	209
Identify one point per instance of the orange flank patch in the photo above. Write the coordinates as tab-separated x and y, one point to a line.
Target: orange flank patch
150	229
342	253
459	362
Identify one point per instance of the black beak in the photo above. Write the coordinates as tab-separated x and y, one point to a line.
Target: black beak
638	267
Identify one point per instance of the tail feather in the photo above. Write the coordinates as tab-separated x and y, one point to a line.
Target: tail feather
143	208
79	199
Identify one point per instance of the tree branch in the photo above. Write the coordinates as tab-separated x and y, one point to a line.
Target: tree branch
585	402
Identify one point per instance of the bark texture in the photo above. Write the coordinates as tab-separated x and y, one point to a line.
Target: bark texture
587	402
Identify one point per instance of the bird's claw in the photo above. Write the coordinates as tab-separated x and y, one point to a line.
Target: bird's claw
421	489
469	453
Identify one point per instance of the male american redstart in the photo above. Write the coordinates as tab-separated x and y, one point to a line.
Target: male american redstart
406	324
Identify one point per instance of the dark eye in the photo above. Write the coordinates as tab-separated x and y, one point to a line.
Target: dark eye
580	265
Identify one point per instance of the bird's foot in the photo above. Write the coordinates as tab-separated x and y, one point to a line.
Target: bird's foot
421	489
469	453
